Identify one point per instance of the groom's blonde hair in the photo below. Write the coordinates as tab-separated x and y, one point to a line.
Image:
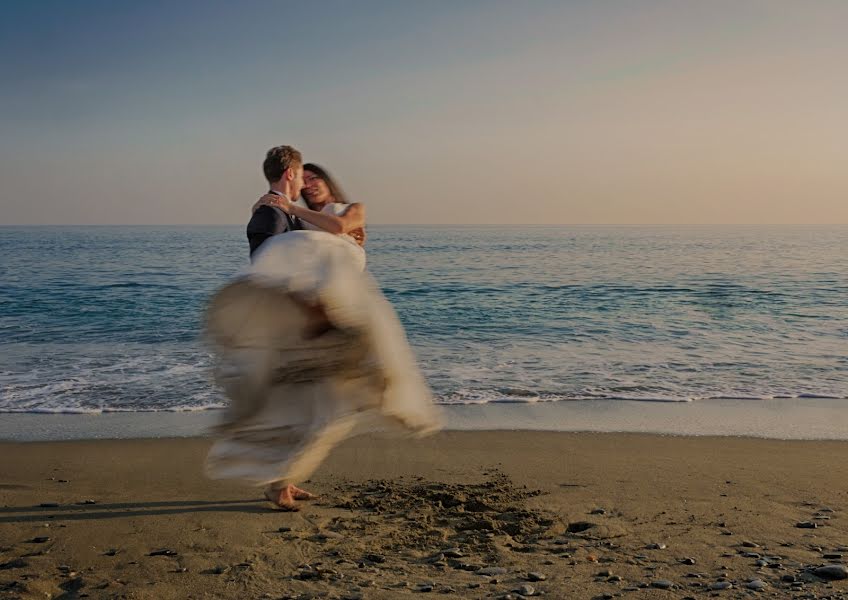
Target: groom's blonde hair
278	159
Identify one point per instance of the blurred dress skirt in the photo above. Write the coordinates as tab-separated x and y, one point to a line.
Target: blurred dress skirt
309	353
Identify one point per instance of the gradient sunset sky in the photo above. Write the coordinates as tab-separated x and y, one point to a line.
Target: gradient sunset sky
429	111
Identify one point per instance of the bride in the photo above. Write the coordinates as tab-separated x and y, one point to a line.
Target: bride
307	349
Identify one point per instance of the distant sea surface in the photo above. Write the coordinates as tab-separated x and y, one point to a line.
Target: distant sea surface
107	319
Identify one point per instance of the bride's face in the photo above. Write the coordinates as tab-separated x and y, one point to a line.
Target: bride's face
316	189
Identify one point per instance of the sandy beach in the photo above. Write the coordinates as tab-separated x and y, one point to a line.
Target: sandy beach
459	514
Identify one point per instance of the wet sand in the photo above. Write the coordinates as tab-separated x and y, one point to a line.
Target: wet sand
461	514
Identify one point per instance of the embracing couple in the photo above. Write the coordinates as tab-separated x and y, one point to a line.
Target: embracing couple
307	349
323	206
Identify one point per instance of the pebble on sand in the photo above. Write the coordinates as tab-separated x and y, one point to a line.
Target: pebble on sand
15	563
489	571
579	527
525	590
832	572
375	558
720	585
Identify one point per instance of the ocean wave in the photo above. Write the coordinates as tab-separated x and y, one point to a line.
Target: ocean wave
82	410
495	397
478	397
205	402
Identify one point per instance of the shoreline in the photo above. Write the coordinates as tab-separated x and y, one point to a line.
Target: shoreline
461	514
779	419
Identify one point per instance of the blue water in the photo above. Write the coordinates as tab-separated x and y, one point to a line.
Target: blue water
97	319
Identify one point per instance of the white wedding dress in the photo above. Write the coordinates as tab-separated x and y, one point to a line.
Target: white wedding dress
338	209
309	353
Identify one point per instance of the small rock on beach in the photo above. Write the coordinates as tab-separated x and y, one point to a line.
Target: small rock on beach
490	571
832	572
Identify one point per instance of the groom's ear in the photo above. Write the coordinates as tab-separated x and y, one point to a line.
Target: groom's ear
289	174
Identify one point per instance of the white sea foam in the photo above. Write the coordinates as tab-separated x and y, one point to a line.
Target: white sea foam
81	410
647	398
210	399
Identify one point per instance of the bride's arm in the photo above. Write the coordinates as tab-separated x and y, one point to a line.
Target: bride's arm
351	222
353	218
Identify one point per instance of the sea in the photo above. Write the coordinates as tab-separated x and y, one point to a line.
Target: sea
694	330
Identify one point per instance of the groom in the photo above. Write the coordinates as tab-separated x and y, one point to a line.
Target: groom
283	169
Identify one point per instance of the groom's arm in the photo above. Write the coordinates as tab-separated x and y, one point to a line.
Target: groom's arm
265	222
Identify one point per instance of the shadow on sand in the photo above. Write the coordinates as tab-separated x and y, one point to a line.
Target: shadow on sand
85	512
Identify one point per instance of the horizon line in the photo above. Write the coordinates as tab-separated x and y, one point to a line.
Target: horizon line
443	225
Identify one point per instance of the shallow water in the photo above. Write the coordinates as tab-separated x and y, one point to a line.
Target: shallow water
96	319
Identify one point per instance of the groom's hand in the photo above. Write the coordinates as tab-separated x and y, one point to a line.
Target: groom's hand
273	200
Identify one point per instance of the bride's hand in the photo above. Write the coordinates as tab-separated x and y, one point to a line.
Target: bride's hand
359	236
273	200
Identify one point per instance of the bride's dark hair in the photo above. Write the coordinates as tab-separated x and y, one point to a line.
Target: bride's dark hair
321	173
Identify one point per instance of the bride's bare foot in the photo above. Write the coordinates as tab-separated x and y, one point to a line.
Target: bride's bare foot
282	497
300	494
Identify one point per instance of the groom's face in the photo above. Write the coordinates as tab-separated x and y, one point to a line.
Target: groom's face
297	181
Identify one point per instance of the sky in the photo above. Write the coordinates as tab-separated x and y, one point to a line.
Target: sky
428	111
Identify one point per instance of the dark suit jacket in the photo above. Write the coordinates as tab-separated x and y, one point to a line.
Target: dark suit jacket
268	221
